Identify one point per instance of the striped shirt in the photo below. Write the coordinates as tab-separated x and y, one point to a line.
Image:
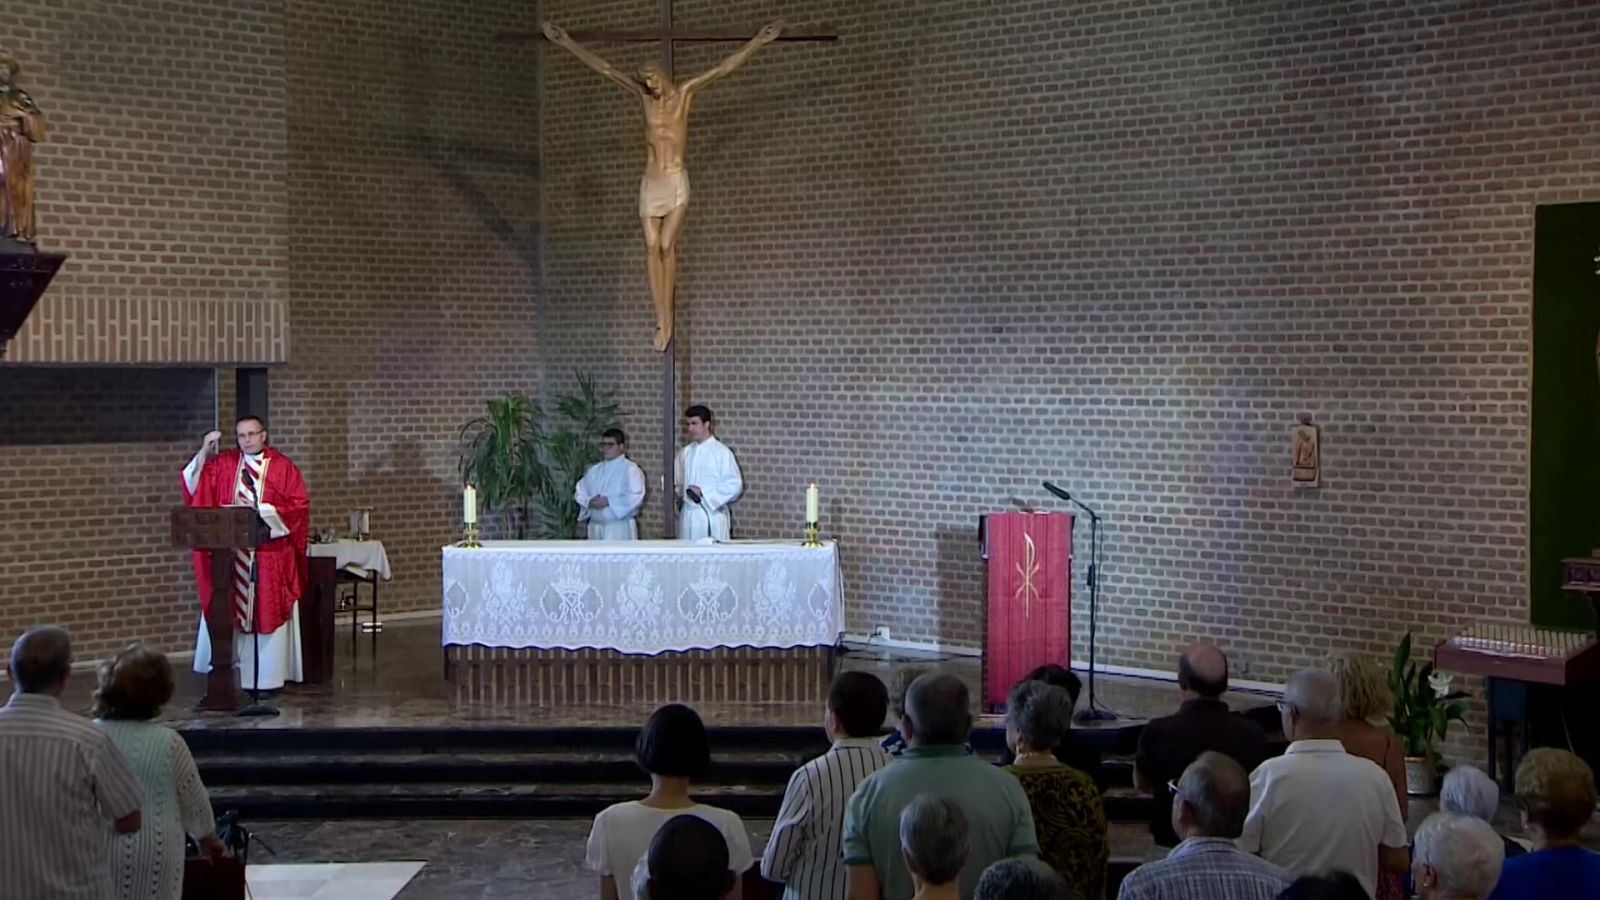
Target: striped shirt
1204	868
64	783
805	851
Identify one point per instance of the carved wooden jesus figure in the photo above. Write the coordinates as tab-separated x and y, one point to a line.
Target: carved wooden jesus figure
664	190
21	124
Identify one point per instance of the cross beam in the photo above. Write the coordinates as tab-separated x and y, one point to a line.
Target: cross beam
668	35
677	35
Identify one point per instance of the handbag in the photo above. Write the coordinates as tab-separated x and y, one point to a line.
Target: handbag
206	878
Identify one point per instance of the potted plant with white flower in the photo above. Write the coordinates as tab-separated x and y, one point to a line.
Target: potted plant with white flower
1424	707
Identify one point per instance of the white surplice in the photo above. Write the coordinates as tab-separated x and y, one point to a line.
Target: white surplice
621	482
280	650
710	465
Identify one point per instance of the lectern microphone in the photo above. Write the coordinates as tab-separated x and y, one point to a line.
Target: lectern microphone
1092	711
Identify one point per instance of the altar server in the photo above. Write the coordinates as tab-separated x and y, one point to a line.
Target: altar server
709	481
611	492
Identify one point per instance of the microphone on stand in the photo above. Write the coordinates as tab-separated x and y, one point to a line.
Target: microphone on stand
1092	711
711	522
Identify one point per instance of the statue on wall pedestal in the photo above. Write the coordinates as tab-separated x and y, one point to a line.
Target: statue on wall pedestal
24	271
21	126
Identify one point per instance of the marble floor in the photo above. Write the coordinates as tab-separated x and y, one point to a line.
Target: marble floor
398	681
330	881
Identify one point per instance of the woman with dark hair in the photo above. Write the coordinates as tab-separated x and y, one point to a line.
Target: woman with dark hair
148	865
1335	885
673	749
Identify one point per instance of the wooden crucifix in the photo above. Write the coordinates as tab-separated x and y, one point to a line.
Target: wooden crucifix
664	189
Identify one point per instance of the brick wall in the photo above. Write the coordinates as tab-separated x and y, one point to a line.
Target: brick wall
381	158
413	197
89	462
1119	246
162	175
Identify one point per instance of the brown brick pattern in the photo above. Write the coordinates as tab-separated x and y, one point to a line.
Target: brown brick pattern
90	460
1123	247
364	172
162	176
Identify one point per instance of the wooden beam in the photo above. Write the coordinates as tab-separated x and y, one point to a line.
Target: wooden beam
684	35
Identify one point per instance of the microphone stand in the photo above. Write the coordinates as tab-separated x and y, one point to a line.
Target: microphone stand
1092	711
256	708
711	521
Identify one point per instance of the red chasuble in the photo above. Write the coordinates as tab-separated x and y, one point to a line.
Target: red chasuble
280	563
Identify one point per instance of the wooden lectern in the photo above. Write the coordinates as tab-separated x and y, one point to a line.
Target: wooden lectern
1029	620
220	530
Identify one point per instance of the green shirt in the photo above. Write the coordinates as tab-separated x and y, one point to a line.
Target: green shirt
999	822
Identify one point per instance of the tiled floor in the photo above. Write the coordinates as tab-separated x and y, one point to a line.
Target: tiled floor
330	881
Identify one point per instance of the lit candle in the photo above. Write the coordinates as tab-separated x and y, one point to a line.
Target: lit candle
469	505
813	505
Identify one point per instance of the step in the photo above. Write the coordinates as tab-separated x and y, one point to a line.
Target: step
517	800
455	801
550	767
487	739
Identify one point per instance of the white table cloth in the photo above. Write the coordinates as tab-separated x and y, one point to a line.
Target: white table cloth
642	597
362	558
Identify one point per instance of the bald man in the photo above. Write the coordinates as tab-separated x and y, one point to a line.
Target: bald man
65	784
1317	808
1202	723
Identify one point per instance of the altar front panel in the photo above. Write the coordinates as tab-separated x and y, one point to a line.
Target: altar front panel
642	597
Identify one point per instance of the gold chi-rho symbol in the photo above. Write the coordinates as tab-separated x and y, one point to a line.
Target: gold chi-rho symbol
1029	570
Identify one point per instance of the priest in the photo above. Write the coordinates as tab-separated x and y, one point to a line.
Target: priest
710	478
257	476
610	493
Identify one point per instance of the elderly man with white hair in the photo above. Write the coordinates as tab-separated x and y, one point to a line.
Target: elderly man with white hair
1457	858
1317	807
1467	791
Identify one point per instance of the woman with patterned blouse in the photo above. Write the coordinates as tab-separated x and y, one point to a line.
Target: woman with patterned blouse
1068	812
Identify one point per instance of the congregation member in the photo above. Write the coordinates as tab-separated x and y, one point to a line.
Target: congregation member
894	743
148	865
934	840
1335	885
1210	802
938	716
1023	878
611	492
687	860
1203	722
1073	750
1366	700
257	475
63	782
709	481
1556	793
674	749
1468	791
1456	858
1069	816
1318	808
804	851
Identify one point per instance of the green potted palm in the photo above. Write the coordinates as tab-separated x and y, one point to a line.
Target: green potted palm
500	454
1424	707
528	472
567	453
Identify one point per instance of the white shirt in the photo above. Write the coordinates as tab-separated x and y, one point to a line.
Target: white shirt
621	482
621	837
1318	808
710	465
806	851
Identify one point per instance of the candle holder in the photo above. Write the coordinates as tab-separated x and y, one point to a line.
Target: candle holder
469	536
812	530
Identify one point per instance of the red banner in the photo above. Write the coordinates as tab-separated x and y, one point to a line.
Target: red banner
1030	598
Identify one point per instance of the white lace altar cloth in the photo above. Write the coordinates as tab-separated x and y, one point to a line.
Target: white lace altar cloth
642	597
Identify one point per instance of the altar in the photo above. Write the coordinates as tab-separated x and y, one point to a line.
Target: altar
561	622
